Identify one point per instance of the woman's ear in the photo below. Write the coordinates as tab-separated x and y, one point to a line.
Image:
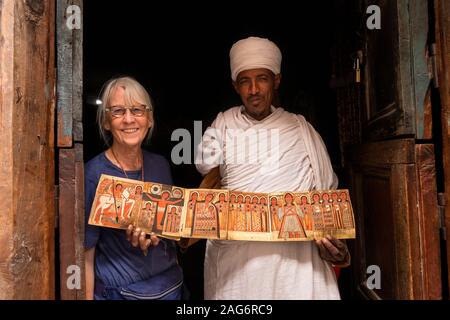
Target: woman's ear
150	121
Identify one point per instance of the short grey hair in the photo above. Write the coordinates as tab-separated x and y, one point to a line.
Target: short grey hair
134	93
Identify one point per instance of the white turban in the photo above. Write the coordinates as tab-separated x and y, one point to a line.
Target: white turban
254	53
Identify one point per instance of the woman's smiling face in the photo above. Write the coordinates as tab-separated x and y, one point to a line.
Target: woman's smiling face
128	130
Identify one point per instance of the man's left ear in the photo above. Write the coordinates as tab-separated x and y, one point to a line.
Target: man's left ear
277	80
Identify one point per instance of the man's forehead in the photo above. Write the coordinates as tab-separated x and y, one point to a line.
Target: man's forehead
254	73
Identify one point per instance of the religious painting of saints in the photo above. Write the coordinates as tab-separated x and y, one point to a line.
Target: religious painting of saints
172	224
202	215
222	207
346	215
292	225
276	212
337	214
317	212
147	216
174	212
304	210
248	216
191	198
162	196
329	222
117	202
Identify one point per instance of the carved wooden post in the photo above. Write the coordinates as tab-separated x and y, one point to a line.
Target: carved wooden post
27	103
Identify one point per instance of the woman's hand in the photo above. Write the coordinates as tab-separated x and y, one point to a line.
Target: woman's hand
138	238
334	251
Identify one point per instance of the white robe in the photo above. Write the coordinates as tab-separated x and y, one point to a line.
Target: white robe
267	270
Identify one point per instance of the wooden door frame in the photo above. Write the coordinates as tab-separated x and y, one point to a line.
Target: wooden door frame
70	138
442	16
69	43
27	164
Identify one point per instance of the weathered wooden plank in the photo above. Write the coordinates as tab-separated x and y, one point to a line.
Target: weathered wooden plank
390	108
383	153
429	222
419	34
80	217
77	77
27	172
7	102
70	72
379	233
405	80
66	218
71	221
64	76
403	189
70	130
442	14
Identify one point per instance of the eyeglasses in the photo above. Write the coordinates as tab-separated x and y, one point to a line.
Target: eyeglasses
119	112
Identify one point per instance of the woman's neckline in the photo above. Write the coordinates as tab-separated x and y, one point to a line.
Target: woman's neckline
120	169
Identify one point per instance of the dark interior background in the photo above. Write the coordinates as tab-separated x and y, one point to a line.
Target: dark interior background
179	52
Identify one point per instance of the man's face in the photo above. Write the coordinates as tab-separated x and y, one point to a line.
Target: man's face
256	88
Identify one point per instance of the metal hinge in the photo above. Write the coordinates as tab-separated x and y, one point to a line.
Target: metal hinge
56	206
432	65
441	205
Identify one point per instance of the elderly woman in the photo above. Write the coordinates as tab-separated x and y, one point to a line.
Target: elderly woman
115	267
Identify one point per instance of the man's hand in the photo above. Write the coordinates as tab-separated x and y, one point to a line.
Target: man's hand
138	238
334	251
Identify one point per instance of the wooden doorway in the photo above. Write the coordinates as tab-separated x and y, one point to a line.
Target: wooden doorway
389	136
387	142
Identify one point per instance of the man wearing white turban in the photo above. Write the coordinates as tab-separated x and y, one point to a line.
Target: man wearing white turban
296	160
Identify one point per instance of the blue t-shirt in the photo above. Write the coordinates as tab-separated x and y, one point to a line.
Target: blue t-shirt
117	262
